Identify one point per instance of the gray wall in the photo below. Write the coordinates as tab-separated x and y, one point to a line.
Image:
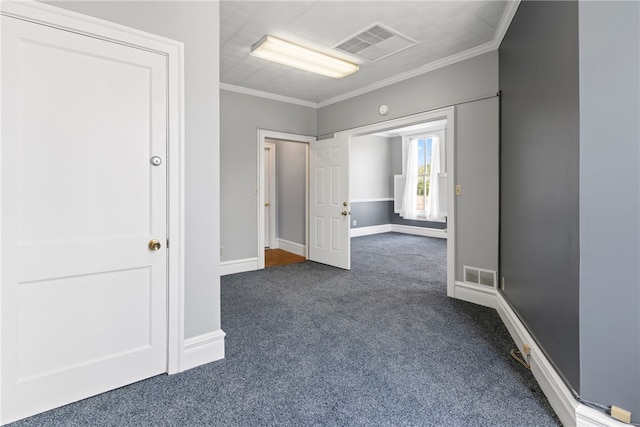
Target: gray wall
470	79
240	118
194	24
610	188
473	78
291	161
539	246
477	153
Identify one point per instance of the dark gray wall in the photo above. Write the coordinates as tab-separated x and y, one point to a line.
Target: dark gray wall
240	118
368	214
610	189
196	25
539	245
291	161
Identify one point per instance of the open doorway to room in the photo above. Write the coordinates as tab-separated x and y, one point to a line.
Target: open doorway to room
283	199
404	160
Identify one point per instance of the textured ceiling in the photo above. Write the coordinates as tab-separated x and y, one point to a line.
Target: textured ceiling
440	28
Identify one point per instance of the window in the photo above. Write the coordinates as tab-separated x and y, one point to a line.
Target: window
417	191
424	170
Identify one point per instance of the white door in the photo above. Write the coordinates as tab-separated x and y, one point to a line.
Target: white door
329	241
269	193
83	297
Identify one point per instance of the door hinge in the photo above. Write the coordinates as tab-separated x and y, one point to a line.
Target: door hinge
167	243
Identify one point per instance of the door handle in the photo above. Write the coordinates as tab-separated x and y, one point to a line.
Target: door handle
266	205
154	245
345	213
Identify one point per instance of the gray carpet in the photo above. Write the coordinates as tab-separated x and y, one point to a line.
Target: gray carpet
311	345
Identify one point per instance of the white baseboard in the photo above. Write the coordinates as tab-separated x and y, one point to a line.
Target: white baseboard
238	266
477	294
589	417
367	231
294	248
397	228
419	231
558	394
202	349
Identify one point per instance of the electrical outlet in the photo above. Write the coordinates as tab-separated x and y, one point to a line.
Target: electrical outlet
221	251
355	222
526	349
620	414
458	190
503	283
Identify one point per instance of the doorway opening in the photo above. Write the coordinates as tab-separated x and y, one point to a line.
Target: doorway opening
283	172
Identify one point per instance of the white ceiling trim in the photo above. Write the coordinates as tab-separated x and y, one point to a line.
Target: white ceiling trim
503	26
267	95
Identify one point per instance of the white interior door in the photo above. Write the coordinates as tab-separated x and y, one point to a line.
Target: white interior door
83	297
269	194
329	241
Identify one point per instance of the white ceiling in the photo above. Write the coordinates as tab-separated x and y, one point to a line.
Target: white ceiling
446	31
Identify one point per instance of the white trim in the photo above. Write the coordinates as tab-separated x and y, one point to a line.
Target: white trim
293	247
553	387
262	135
368	231
383	199
56	17
589	417
419	231
267	95
203	349
476	294
398	228
239	265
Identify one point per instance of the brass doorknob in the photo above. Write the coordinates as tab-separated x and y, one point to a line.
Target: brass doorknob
154	245
344	213
267	204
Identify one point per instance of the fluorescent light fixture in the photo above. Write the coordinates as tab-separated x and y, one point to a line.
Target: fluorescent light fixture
286	53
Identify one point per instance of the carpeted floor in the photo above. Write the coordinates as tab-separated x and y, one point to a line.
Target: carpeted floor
311	345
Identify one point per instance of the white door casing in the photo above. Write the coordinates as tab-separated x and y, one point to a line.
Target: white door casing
263	136
84	300
329	240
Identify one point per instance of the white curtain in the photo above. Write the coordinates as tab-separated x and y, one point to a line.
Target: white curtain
432	209
409	199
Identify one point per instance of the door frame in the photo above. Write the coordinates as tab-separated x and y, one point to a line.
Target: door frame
264	134
44	14
271	187
447	113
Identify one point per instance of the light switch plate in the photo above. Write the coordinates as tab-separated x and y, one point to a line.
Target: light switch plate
458	190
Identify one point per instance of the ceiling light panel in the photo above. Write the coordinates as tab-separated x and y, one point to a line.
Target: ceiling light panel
283	52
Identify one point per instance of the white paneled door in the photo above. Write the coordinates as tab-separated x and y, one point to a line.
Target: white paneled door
83	175
329	241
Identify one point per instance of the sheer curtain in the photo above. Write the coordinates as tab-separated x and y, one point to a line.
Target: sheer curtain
409	199
432	209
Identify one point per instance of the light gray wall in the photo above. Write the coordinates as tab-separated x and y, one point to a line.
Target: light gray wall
540	247
473	78
610	189
240	118
196	25
477	170
369	167
367	214
291	161
470	79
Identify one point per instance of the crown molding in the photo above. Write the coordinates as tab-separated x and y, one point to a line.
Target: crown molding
501	30
267	95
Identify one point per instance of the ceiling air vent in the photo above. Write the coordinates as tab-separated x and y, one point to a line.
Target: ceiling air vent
376	42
